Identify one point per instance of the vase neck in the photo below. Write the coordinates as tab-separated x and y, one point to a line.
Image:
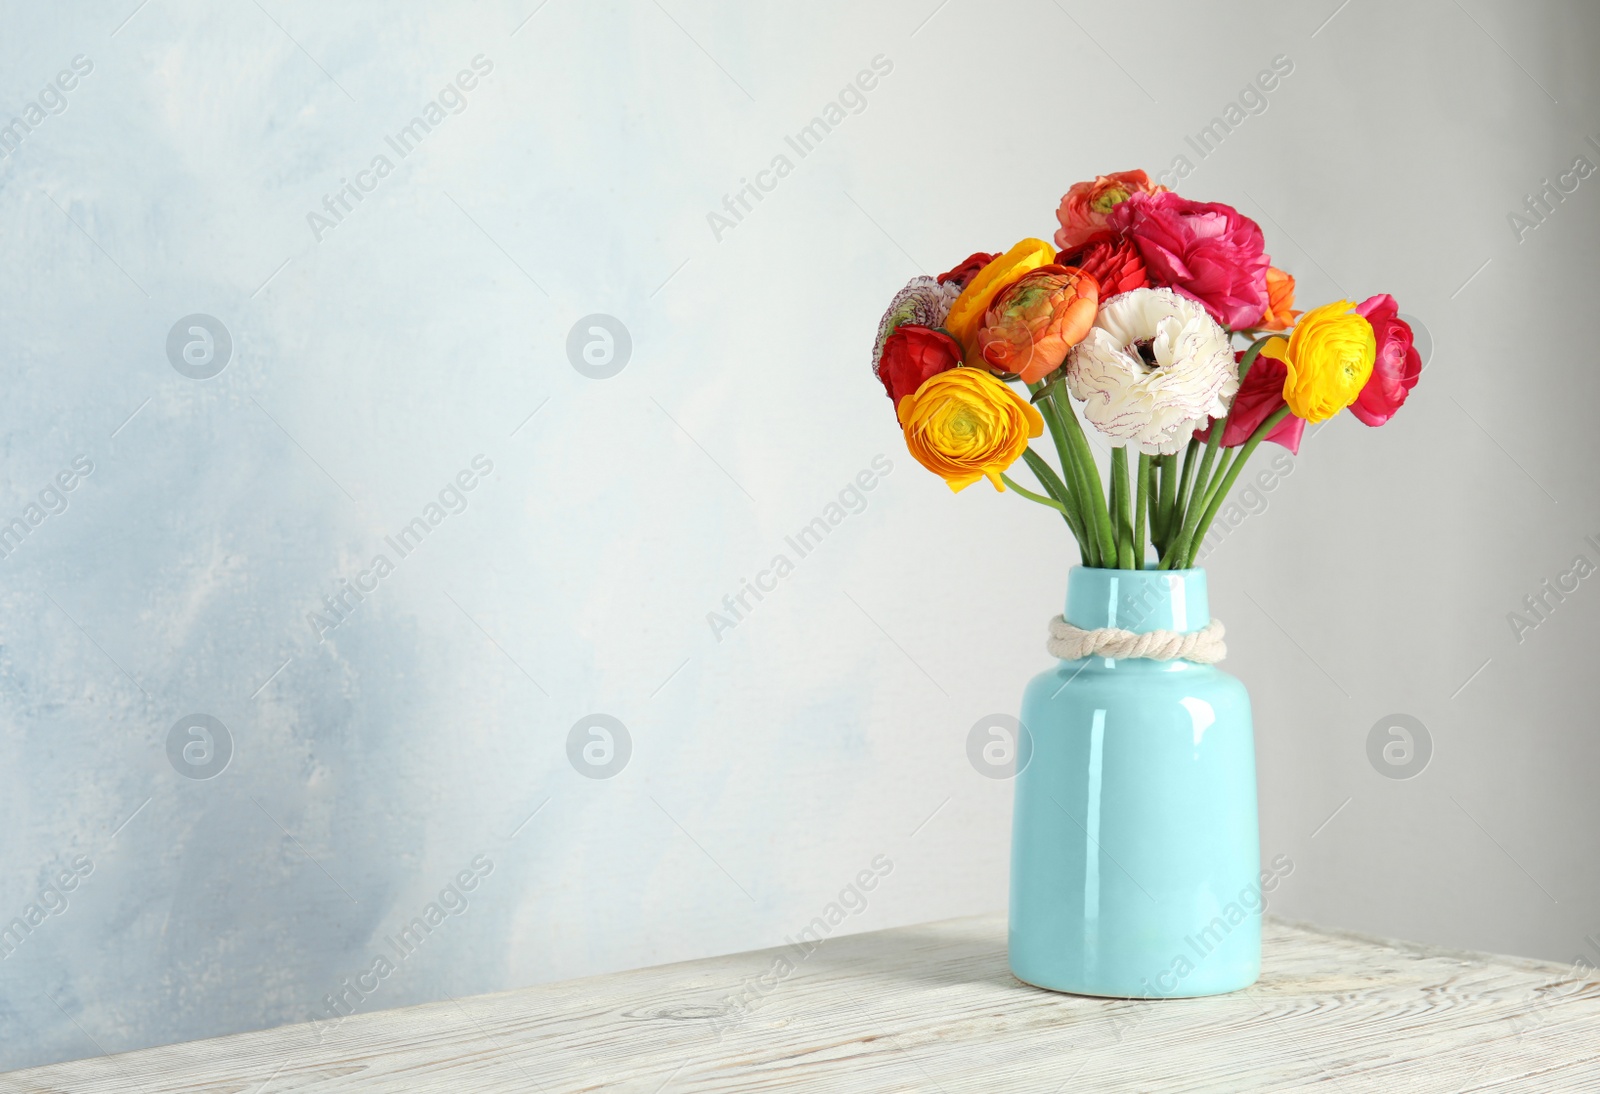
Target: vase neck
1137	600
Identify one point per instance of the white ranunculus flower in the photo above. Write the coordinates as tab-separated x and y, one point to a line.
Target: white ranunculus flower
1153	368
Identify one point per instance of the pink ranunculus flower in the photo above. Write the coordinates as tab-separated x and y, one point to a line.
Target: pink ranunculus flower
1398	364
1209	252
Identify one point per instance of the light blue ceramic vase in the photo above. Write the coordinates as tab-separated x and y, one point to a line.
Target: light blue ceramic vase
1135	861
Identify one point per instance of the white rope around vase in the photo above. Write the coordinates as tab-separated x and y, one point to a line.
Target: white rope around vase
1204	646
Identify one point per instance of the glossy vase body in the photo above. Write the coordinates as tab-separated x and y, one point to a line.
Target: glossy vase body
1135	859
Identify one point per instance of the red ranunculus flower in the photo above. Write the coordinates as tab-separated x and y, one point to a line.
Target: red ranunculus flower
1398	364
1112	261
1209	252
1259	397
911	355
966	268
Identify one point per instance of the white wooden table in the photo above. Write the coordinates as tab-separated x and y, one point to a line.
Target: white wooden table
930	1008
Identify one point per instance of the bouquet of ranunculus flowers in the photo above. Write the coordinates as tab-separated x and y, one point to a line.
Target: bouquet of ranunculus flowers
1134	312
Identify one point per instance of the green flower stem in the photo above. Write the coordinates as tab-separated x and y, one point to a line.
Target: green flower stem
1199	497
1071	477
1219	431
1092	496
1191	516
1164	500
1058	435
1180	503
1233	473
1058	432
1141	507
1121	500
1152	504
1058	490
1204	493
1249	358
1205	490
1031	496
1114	499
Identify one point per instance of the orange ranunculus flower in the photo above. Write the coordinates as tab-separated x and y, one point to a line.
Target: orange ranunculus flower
1329	358
1280	313
1084	207
1036	319
966	314
965	425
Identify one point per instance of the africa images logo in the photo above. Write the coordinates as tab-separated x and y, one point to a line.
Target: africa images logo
451	99
51	99
851	500
52	501
452	500
852	99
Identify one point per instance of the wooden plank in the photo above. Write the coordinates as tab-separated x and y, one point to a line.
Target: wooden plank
929	1008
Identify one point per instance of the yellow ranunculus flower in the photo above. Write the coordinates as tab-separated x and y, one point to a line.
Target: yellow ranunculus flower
966	314
1329	360
964	425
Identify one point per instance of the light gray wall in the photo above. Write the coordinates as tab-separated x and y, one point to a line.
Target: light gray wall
772	763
